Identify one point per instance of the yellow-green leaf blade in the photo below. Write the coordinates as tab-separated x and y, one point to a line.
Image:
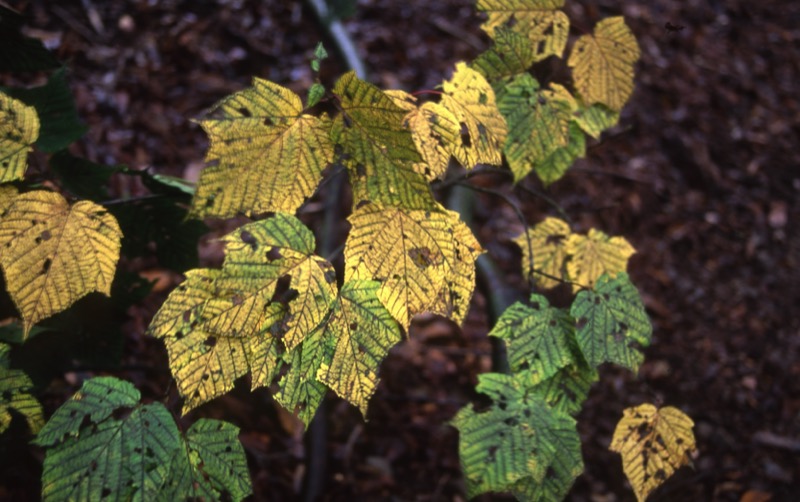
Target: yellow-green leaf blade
545	26
363	332
265	154
299	390
378	151
424	260
596	254
511	54
602	63
654	443
54	253
548	247
19	130
15	394
612	324
482	128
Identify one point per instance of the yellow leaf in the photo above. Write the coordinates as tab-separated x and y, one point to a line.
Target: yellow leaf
653	443
265	154
546	27
7	194
378	151
548	241
594	255
363	332
271	289
602	64
482	129
54	254
424	260
19	130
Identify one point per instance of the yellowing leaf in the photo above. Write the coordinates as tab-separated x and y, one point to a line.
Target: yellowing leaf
546	27
220	324
266	155
424	260
595	119
53	253
511	54
482	129
653	443
433	128
548	242
594	255
378	151
15	388
19	130
7	194
363	332
603	62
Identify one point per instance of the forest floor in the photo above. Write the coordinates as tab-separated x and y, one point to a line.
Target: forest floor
702	176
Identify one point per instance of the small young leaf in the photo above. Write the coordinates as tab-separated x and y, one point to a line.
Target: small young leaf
377	150
266	155
424	260
538	338
363	332
315	94
19	130
319	52
514	444
602	63
548	241
53	253
546	28
482	129
15	387
58	116
654	443
611	321
594	255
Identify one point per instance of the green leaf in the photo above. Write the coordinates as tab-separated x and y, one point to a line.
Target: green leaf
300	392
363	332
218	321
538	337
104	443
515	441
55	106
567	390
511	54
377	150
612	322
541	135
315	94
595	119
266	155
319	52
18	52
19	129
15	388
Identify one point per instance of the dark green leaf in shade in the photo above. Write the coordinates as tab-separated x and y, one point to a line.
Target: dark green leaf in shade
81	177
611	322
58	116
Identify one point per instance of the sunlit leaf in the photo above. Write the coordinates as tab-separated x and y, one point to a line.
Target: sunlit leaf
103	443
595	119
15	394
567	390
54	253
548	245
424	260
482	129
19	130
537	336
602	63
378	151
363	332
514	443
55	107
546	27
7	195
511	54
266	155
219	324
611	322
596	254
299	390
654	443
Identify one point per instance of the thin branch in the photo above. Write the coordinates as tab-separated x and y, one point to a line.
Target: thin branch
555	205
